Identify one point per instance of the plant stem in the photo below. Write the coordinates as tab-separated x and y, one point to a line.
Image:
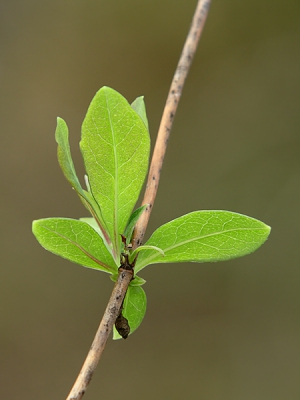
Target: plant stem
115	302
167	119
111	313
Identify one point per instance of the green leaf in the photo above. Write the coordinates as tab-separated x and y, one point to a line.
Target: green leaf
64	155
67	166
137	281
204	236
133	255
115	145
134	308
92	222
139	107
132	221
74	240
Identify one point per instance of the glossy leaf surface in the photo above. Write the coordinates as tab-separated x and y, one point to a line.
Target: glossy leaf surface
74	240
92	222
67	166
204	236
115	146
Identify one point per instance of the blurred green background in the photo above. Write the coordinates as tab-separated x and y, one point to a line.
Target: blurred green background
226	331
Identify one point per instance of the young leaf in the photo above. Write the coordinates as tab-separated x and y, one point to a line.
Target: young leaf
133	255
137	281
132	221
66	162
64	155
204	236
74	240
115	146
134	308
139	107
67	166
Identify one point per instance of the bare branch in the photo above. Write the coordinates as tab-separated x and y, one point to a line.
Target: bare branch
110	315
166	123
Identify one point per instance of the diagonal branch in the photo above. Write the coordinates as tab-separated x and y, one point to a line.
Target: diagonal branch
167	119
115	302
110	315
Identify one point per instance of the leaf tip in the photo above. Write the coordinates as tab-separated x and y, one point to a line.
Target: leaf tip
59	121
35	226
61	127
34	222
267	229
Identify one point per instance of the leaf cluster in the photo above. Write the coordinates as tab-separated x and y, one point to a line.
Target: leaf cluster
115	146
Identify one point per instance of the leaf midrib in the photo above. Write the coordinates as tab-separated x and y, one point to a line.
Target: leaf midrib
155	255
115	222
102	264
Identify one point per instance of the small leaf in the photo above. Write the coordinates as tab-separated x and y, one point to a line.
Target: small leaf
143	248
204	236
67	166
74	240
139	107
137	281
132	221
64	155
115	145
134	308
